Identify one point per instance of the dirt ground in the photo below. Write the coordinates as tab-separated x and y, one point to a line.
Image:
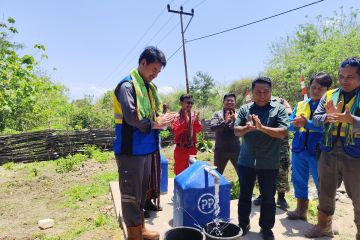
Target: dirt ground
26	198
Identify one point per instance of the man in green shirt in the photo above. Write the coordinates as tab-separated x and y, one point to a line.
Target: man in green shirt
262	124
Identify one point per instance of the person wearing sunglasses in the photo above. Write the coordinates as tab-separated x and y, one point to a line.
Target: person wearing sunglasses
339	113
185	128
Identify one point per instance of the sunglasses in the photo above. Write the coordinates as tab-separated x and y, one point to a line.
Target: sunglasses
190	103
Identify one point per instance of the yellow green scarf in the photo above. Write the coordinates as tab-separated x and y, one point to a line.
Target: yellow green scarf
148	103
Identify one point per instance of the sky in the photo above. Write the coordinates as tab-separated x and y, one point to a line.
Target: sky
92	44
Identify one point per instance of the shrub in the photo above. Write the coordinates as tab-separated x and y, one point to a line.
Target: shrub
69	163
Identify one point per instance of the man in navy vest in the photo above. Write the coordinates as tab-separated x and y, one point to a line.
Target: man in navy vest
137	109
339	113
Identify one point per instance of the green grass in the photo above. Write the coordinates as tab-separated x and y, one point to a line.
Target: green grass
70	163
9	166
98	187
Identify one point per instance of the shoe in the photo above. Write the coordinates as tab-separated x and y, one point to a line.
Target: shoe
323	228
267	234
146	214
245	229
282	204
150	206
257	201
301	210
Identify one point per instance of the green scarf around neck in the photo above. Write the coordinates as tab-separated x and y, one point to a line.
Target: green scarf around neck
329	127
148	103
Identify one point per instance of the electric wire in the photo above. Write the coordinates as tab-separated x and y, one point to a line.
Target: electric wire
254	22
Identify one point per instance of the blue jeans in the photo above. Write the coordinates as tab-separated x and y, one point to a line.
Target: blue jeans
267	183
304	164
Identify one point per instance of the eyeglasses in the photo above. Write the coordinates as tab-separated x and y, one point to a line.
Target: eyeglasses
190	103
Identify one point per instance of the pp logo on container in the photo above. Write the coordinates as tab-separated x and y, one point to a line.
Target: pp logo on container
206	203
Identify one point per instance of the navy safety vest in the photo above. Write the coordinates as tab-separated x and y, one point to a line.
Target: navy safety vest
128	139
305	139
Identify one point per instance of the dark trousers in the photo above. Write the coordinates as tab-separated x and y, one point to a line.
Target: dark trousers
221	158
267	183
134	176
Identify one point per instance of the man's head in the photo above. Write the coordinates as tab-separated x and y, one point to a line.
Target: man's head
186	102
261	89
229	101
319	84
151	61
349	74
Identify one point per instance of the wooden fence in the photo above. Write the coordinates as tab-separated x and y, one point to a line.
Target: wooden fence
53	144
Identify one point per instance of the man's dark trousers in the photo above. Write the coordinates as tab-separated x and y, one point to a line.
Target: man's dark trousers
267	183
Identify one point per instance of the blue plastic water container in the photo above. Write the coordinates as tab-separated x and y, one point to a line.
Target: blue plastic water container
194	199
164	174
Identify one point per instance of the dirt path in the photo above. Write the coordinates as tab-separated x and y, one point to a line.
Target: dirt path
26	197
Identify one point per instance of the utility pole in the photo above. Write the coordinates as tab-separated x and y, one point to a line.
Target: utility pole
181	12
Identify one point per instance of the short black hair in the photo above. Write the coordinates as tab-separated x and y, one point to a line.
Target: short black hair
153	54
185	96
229	95
323	79
265	80
353	62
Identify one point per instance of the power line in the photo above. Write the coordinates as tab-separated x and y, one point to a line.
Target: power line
137	43
168	59
251	23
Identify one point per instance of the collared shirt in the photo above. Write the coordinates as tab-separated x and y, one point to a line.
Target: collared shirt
259	150
225	139
180	130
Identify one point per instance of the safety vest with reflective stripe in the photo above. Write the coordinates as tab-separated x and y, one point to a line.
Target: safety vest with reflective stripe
306	139
352	150
128	139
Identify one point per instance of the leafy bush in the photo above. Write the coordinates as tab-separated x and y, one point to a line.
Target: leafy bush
203	145
9	166
69	163
92	151
235	190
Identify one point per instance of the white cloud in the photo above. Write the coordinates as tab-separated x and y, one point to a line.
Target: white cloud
79	92
166	89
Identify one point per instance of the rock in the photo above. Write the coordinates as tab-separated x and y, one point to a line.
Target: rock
46	223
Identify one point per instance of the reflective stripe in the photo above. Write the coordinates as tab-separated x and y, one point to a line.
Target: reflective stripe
128	198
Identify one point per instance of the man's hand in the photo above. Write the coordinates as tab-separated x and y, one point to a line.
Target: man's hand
344	117
164	120
232	116
299	121
331	108
197	117
256	121
187	116
227	116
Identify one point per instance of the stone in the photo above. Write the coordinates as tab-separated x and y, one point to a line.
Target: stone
46	223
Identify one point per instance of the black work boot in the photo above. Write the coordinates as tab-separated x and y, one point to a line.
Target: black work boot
281	202
267	234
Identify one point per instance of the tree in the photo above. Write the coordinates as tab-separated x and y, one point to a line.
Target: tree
239	88
315	47
202	88
25	94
